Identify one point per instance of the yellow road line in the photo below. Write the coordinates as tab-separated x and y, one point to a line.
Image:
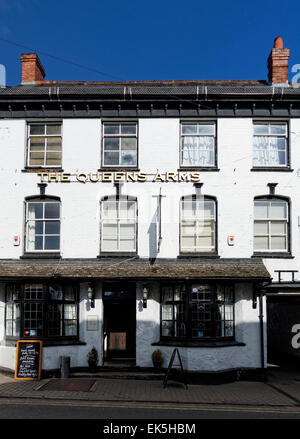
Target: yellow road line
160	406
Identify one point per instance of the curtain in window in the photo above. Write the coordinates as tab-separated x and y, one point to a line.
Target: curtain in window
31	227
267	151
198	151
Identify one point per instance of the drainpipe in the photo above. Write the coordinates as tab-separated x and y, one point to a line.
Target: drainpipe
262	337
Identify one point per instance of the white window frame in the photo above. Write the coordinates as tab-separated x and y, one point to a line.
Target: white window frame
119	136
198	135
44	150
268	136
269	221
118	220
199	224
44	220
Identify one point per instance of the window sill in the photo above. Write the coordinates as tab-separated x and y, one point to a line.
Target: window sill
53	255
33	169
47	343
199	168
119	169
271	169
198	255
117	255
199	344
273	255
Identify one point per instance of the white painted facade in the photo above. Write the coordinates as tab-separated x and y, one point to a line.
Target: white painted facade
234	187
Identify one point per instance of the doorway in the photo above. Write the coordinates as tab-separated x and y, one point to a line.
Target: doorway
119	323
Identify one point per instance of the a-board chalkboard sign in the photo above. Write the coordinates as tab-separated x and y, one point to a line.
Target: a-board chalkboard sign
182	372
28	360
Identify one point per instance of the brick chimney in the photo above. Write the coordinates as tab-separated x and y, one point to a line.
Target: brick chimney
32	69
278	63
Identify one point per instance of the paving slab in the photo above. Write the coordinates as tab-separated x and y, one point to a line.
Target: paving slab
238	393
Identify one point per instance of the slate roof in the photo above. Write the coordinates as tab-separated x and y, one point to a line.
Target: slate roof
240	269
130	90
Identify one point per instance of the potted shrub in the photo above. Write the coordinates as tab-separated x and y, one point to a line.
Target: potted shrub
92	358
157	359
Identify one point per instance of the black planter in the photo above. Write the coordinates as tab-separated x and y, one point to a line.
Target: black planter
92	366
157	364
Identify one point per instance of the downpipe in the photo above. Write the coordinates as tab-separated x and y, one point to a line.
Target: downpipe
262	337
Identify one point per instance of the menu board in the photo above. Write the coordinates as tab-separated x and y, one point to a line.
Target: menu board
28	360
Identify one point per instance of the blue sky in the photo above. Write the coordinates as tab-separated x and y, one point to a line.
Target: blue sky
147	40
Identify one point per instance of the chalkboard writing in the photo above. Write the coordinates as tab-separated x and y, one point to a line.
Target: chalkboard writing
28	360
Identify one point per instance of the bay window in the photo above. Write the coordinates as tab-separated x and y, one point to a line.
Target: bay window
197	311
41	310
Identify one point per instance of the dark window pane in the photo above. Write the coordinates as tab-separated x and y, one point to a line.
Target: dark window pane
54	320
52	227
33	325
70	292
128	129
53	129
39	227
56	292
52	243
111	144
37	129
38	243
111	158
111	129
52	210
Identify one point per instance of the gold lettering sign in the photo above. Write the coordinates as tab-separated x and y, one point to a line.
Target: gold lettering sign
118	176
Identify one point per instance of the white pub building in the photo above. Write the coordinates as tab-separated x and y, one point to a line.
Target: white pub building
149	215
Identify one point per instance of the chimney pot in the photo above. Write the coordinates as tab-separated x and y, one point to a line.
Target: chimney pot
278	43
32	69
278	63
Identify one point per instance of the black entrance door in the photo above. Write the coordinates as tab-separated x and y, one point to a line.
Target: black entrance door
119	321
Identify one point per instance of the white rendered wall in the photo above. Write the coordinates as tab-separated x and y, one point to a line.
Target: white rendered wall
234	186
247	330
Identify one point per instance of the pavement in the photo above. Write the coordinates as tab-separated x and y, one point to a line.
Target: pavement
282	389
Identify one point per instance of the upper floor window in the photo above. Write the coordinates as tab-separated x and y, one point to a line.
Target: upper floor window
44	144
118	224
270	144
198	225
271	220
42	224
198	141
119	144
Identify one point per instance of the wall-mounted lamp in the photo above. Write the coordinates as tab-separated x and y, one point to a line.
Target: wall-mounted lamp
145	296
91	295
